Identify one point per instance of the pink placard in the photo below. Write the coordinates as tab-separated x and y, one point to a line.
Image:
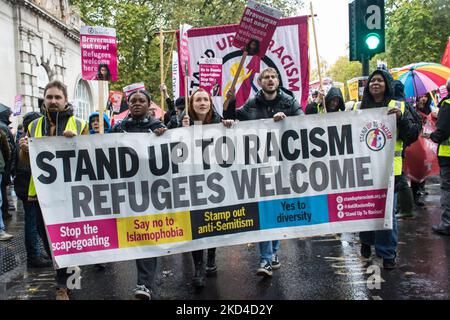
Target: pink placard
443	92
210	70
98	53
184	50
256	28
78	237
358	205
17	105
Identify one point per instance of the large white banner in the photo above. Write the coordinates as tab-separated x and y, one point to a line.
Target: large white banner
287	53
127	196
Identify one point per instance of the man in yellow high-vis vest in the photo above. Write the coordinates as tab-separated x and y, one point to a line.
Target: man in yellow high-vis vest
378	93
442	136
58	120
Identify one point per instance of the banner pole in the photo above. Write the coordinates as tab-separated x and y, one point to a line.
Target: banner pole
161	62
101	103
170	59
236	77
317	57
186	90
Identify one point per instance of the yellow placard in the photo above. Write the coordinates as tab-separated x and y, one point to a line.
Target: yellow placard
353	90
154	229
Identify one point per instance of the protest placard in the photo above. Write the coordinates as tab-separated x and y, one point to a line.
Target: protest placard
184	50
256	28
115	97
133	87
98	53
210	70
17	105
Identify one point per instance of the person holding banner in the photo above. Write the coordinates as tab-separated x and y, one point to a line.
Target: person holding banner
334	102
201	111
272	101
139	121
378	93
58	120
94	128
442	136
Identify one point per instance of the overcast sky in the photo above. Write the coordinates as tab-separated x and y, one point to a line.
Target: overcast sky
331	27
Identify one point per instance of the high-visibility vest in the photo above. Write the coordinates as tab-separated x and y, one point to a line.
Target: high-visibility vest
444	146
35	131
356	105
398	160
320	108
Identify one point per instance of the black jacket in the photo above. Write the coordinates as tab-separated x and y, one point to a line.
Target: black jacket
129	124
61	120
5	113
23	170
408	127
311	108
258	108
442	132
170	112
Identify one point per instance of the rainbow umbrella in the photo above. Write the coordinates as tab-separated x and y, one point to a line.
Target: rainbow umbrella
420	78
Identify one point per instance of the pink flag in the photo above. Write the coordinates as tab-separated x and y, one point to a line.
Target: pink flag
446	57
421	157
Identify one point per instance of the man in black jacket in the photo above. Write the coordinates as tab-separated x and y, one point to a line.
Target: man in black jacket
272	101
442	136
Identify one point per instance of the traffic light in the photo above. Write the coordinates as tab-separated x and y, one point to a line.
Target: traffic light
366	24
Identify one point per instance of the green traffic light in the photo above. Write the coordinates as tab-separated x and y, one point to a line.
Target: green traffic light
372	41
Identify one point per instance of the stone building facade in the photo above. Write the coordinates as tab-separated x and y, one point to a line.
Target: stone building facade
40	42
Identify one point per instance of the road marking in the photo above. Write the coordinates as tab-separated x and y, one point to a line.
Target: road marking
365	282
343	258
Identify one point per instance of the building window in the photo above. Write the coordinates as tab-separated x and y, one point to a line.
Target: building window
42	79
83	100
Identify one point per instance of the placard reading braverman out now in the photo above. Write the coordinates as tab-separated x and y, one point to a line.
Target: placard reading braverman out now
127	196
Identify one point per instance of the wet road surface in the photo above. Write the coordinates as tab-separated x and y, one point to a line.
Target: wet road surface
319	268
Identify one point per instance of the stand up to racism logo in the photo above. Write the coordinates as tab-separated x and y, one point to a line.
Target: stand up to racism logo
375	134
